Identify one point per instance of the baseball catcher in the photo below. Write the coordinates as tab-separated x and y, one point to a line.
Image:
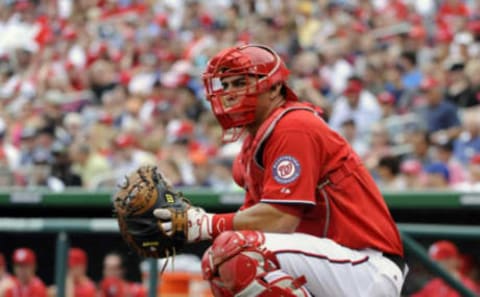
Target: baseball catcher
313	222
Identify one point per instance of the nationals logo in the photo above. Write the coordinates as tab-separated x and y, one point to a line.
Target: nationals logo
286	169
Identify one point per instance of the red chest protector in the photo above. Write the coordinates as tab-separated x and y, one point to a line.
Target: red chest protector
248	169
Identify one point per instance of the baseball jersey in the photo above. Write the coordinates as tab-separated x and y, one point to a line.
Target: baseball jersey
295	159
85	288
36	288
114	287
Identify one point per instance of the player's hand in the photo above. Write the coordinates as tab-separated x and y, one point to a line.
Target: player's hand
199	223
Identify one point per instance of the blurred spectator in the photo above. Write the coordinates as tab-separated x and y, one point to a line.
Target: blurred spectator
412	173
446	254
349	132
421	150
468	143
171	170
90	165
472	184
437	176
412	76
444	154
358	104
440	115
459	90
113	283
387	104
27	146
26	283
388	171
40	173
128	156
379	146
10	154
61	166
6	280
472	71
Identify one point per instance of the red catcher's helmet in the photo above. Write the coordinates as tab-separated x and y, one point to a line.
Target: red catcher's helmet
262	65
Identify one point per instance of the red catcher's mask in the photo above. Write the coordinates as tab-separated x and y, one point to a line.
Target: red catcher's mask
260	67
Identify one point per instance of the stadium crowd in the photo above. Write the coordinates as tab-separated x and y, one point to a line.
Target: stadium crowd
91	89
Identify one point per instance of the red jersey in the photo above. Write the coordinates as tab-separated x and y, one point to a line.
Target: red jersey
295	159
114	287
36	288
85	288
438	288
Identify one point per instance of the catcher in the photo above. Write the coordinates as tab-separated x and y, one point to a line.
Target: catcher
318	225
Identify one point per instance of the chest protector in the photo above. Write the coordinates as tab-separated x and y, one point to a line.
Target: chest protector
248	167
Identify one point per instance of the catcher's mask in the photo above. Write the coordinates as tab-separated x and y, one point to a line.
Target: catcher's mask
251	70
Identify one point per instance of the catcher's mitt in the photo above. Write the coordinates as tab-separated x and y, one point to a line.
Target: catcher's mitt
145	190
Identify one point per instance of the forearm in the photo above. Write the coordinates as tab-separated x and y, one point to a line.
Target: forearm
262	217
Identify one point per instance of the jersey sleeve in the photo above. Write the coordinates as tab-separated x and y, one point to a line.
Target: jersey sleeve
291	161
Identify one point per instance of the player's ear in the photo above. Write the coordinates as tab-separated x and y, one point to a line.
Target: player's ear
275	91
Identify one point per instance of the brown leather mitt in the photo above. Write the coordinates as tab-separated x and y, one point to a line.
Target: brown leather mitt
143	191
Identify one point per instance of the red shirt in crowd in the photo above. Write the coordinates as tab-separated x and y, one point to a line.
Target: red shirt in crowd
114	287
85	288
293	152
438	288
36	288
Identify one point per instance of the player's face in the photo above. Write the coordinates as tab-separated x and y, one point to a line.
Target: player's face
24	272
112	267
77	271
235	88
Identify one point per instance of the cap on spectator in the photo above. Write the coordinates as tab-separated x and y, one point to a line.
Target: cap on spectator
475	159
438	168
417	32
24	256
125	140
386	98
354	86
443	250
443	36
2	260
77	257
411	166
106	119
428	83
178	130
69	33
